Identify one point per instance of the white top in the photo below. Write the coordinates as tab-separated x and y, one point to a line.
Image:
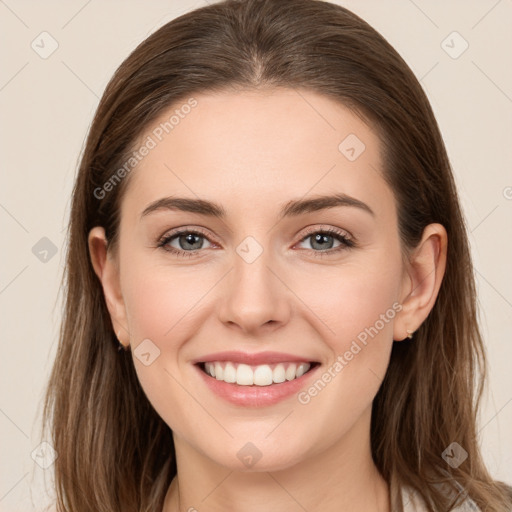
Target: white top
414	503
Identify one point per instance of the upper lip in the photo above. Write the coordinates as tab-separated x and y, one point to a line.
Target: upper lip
253	359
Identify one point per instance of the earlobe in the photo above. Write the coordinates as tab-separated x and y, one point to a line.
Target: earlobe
107	271
422	280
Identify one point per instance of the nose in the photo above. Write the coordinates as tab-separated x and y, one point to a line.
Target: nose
255	298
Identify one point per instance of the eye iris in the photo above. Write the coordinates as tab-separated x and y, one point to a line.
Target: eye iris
189	239
321	238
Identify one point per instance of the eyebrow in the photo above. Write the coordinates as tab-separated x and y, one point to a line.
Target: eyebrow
292	208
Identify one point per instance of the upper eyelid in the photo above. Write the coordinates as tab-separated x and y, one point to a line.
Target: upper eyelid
181	231
329	229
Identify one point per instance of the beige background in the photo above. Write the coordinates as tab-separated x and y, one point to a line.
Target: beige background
47	106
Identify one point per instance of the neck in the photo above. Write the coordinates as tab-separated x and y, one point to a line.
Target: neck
344	477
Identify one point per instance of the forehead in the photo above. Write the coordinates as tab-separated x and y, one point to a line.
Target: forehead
258	149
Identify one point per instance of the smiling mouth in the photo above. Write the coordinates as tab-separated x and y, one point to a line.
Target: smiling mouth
256	375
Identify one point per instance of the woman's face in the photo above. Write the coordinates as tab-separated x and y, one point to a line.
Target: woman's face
257	288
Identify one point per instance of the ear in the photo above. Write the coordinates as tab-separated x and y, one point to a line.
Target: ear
422	279
107	271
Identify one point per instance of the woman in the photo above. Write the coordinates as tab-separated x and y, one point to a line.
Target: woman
266	221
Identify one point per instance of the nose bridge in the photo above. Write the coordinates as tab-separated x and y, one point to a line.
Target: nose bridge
252	262
255	296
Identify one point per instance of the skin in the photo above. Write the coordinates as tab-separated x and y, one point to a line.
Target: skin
252	152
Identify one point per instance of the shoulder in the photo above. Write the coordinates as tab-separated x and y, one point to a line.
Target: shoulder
413	502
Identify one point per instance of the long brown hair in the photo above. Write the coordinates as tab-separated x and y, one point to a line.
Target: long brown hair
115	452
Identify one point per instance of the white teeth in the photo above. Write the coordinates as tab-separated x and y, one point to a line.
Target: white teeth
210	369
263	375
219	372
279	374
244	375
301	369
290	372
229	373
260	375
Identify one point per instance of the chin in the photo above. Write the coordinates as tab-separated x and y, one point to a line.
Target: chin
258	456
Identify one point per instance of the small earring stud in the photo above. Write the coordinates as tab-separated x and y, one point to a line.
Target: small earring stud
410	334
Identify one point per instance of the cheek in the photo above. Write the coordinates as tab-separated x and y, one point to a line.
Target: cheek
159	301
367	307
348	301
358	306
159	306
362	313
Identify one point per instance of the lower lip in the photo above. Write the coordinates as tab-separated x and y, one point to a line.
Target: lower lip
255	396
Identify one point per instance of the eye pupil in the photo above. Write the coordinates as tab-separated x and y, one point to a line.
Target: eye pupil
191	238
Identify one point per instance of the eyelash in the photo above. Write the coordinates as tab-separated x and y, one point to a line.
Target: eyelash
346	243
